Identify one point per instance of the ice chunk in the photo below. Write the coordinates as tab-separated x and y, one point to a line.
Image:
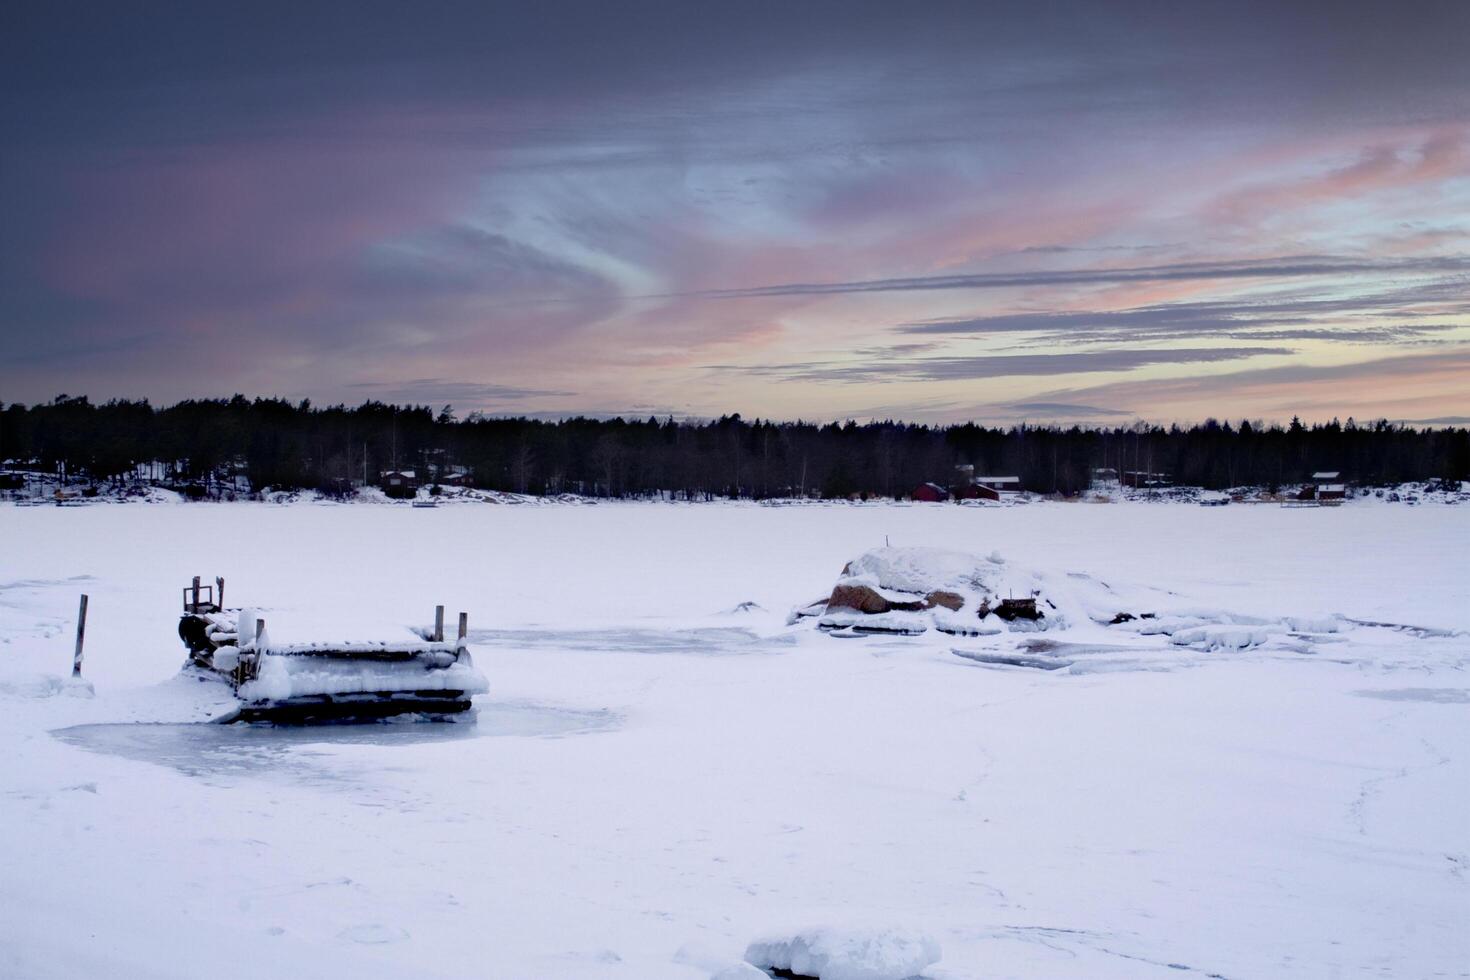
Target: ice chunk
847	954
1221	637
740	971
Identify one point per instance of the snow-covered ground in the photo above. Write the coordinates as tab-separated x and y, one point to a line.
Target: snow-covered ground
661	777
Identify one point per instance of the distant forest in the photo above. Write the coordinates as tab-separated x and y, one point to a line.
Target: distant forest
277	444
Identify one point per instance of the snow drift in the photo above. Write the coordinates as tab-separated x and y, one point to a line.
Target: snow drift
835	954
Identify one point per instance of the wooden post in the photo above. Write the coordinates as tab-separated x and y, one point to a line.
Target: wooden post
196	595
438	624
464	626
76	660
219	594
259	632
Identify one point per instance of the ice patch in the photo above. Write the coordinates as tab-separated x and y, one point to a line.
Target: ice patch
214	751
840	954
740	971
1430	695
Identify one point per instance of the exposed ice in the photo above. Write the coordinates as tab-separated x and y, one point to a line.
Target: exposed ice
211	750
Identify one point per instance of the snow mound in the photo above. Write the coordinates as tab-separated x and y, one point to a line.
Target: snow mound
832	954
31	686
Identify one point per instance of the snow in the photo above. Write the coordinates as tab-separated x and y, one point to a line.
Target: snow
653	783
283	677
847	954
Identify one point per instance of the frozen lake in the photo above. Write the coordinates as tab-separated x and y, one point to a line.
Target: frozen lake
665	770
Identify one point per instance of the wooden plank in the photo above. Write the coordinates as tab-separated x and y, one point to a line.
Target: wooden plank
76	660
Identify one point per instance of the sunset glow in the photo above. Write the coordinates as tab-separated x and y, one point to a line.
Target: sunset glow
937	213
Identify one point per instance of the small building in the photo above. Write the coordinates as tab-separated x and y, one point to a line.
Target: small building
1326	486
1145	479
1329	485
454	476
399	483
996	487
930	492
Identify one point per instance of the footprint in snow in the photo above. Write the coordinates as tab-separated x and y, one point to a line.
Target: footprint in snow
373	934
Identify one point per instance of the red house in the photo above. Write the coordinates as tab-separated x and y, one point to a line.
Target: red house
930	492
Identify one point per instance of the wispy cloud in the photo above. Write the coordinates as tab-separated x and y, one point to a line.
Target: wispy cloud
1356	388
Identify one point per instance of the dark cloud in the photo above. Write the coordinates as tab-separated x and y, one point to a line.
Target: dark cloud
1384	318
1296	267
1287	382
438	391
1054	409
982	367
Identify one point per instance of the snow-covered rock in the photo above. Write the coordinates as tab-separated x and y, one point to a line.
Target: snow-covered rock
842	954
910	590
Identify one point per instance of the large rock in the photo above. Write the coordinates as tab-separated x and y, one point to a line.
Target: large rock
949	600
861	598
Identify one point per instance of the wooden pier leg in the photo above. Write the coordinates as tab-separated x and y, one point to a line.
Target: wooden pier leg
438	624
464	626
76	660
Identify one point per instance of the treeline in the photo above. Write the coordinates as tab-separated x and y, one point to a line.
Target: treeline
278	444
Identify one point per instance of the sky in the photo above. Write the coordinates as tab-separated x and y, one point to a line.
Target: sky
1041	212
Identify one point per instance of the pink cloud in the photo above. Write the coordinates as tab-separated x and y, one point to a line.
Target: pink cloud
1383	167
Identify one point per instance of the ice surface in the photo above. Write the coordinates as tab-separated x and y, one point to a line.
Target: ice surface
702	641
847	954
1293	808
